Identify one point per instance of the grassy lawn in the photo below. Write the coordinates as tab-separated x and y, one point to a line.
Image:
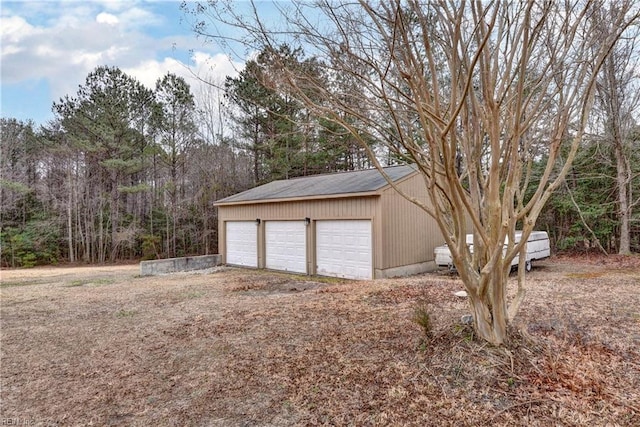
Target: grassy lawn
233	347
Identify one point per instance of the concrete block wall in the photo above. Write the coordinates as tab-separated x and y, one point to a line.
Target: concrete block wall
172	265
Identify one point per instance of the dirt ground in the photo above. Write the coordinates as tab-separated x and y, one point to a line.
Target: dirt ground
233	347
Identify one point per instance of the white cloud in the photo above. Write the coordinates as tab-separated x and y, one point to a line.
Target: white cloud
14	29
136	17
65	41
218	65
62	42
205	69
147	72
107	18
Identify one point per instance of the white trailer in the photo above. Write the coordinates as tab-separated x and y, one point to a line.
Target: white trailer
537	248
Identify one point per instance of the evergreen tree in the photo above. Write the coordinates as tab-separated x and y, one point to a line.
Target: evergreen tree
102	123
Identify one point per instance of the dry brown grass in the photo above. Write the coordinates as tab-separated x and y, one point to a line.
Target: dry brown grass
242	348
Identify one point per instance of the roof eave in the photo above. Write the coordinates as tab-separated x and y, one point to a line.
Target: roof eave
397	181
302	198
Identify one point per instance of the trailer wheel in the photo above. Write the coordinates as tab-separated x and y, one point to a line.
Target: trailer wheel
528	265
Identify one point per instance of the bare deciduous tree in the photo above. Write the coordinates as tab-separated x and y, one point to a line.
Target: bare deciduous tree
618	99
471	92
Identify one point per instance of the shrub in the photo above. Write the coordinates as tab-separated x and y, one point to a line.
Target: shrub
422	317
31	244
150	245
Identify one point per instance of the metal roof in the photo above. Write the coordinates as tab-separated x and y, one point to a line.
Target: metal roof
364	181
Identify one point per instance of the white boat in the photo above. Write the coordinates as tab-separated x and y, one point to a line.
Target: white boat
537	248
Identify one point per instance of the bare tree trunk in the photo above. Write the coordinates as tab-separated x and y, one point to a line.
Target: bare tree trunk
256	155
101	239
114	216
487	296
72	257
623	181
80	245
168	234
584	221
618	98
489	310
88	236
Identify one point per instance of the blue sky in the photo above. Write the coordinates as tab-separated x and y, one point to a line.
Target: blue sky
49	47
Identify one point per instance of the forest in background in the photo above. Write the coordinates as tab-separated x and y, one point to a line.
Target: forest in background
125	172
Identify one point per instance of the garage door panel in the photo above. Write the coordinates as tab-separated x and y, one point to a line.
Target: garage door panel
343	248
286	246
242	243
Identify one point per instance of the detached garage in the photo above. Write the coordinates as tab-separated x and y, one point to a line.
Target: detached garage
352	224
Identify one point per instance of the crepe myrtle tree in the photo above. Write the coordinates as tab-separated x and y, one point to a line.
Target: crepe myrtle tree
471	92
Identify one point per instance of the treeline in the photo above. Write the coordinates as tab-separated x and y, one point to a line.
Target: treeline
121	173
598	207
126	172
585	214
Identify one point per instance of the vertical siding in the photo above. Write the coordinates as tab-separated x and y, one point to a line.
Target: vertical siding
343	208
403	234
408	235
321	209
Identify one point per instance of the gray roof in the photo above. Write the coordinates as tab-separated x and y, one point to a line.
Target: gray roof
322	185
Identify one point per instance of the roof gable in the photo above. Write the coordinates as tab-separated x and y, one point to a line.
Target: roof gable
334	184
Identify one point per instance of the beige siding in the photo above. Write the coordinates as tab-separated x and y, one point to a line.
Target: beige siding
403	234
408	234
342	208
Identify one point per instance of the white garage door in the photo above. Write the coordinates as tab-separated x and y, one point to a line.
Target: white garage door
242	243
286	246
343	249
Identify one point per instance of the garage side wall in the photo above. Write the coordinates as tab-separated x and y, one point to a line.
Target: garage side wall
409	235
321	209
